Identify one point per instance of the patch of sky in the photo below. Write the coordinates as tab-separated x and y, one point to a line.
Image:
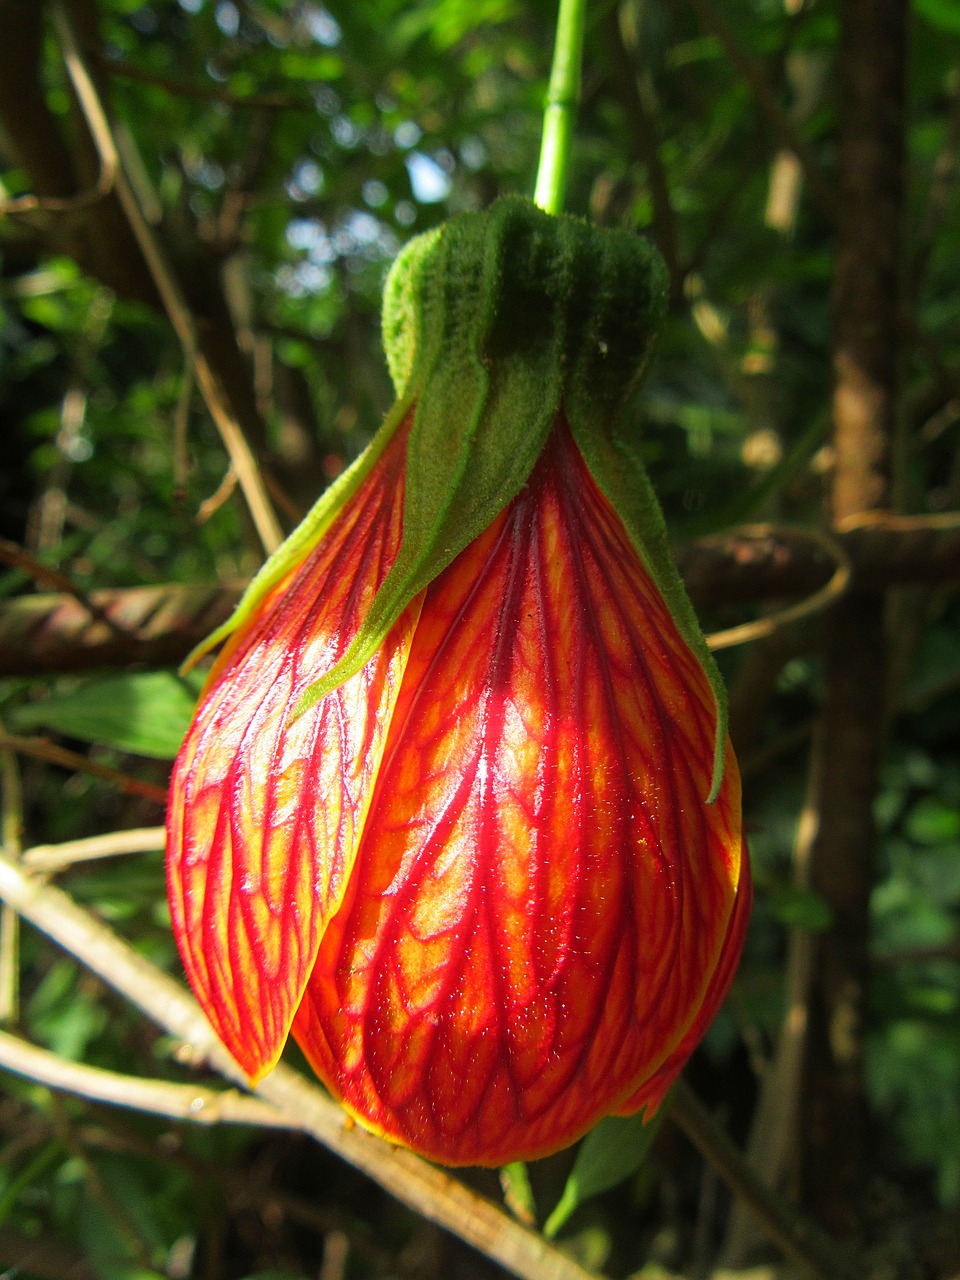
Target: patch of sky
144	20
307	181
405	213
473	153
191	6
322	25
374	193
310	236
326	100
304	278
345	132
407	134
228	17
429	181
204	172
362	227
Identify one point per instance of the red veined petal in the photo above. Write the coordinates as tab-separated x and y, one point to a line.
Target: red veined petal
266	810
541	896
653	1091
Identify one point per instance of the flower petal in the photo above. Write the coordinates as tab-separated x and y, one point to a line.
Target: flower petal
653	1091
266	809
541	897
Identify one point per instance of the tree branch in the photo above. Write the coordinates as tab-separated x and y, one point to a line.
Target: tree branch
431	1192
780	123
866	361
796	1235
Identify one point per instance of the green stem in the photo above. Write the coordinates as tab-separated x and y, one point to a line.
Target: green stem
563	95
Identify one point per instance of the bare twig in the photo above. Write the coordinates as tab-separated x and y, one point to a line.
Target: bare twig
11	829
160	626
822	599
157	1097
55	857
430	1191
210	506
798	1236
241	455
45	575
779	121
29	206
264	101
43	749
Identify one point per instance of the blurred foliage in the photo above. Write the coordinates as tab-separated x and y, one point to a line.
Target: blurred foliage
295	146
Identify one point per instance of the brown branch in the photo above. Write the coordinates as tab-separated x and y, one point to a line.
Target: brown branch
159	626
98	234
168	286
155	1097
263	101
43	749
780	123
643	129
43	575
798	1237
432	1192
43	1259
835	1156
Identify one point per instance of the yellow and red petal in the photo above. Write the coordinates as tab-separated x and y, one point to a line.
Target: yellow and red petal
266	810
541	899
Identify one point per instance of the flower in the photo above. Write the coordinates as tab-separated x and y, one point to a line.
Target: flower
458	808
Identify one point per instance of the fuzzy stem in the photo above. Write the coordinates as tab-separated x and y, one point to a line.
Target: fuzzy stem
563	95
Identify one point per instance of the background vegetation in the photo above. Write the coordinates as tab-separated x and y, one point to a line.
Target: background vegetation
189	294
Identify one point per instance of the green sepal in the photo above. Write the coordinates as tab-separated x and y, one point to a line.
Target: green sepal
294	549
495	324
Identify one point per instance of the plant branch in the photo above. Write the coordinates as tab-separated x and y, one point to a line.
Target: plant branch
11	833
17	557
50	858
798	1237
819	600
160	625
168	287
563	97
43	749
642	125
780	123
264	101
430	1191
157	1097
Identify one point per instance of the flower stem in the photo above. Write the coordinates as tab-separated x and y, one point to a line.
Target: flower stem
563	95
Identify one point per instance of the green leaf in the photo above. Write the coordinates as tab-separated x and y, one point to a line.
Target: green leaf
146	713
943	14
801	909
609	1154
931	821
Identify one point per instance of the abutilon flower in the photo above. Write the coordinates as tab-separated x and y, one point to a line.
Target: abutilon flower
458	807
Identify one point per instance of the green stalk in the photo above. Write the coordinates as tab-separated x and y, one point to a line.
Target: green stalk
563	95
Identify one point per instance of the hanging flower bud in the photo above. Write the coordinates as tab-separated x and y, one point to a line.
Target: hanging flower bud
458	807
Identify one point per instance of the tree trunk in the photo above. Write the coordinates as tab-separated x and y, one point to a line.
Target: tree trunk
871	84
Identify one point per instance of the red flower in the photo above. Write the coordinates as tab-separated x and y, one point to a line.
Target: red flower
478	878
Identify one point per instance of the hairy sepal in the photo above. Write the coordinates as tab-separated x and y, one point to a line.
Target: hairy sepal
294	549
490	322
